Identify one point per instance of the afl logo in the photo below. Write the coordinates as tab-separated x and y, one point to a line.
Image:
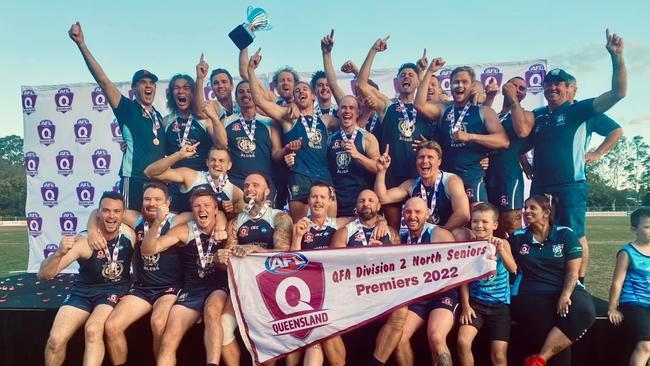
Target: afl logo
286	263
243	231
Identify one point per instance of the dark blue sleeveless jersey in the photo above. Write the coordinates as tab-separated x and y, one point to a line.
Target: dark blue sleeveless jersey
182	202
636	286
504	165
443	209
348	176
96	269
462	158
311	159
174	133
249	156
355	236
494	289
427	234
191	264
317	239
374	126
159	270
256	232
396	132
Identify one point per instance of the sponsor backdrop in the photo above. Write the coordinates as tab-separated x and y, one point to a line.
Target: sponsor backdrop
300	298
72	151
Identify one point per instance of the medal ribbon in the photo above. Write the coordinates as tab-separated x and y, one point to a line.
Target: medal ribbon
455	124
186	130
353	136
203	258
116	249
424	229
154	118
319	112
310	131
250	133
406	115
222	181
423	192
260	213
364	241
375	118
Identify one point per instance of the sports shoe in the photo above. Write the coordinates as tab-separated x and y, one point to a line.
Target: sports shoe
534	360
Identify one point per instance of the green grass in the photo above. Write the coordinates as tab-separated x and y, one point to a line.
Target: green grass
606	236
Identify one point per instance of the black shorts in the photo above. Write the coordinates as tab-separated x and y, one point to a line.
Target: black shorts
537	312
87	298
152	294
507	196
495	317
446	300
194	298
636	320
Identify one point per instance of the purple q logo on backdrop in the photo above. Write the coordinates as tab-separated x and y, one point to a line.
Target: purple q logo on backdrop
131	94
82	131
63	100
116	131
445	80
50	249
34	224
68	223
101	161
64	162
208	93
99	99
29	101
535	78
491	75
31	163
116	187
46	130
86	194
50	194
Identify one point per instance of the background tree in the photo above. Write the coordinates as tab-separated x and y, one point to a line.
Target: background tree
13	184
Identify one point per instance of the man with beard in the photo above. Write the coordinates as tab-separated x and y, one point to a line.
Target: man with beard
321	88
103	278
443	191
558	135
466	132
229	196
437	312
205	286
249	137
359	233
182	127
306	152
352	155
504	177
222	85
401	124
140	122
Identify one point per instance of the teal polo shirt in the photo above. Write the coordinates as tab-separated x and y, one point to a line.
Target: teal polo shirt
559	139
542	266
137	132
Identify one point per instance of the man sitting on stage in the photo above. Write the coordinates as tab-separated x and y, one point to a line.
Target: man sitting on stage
103	278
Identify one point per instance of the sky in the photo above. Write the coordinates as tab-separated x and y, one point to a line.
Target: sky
167	37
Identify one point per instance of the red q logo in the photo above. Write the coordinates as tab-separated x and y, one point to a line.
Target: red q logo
243	231
293	290
236	127
525	249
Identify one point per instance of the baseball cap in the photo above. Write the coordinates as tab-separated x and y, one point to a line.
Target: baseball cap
143	74
557	75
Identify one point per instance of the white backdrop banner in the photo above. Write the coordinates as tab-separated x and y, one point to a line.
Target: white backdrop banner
287	301
72	155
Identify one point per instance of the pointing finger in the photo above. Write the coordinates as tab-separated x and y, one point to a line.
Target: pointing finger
387	148
424	55
386	39
201	60
332	34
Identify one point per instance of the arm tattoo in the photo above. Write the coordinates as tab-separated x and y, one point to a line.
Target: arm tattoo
231	229
283	228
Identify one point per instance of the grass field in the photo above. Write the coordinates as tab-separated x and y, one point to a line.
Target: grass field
606	236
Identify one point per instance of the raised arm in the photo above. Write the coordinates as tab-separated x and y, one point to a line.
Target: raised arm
386	196
113	95
422	64
364	75
619	75
283	229
162	169
496	138
152	245
271	109
243	72
198	99
219	135
431	111
326	45
68	252
459	204
522	121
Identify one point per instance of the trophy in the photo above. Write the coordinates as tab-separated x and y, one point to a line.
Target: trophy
243	34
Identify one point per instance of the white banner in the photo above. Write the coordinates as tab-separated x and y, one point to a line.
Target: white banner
285	301
72	153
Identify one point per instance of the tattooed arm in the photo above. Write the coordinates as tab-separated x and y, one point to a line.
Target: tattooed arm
231	229
283	231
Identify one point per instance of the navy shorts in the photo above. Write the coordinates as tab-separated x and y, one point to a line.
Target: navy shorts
508	196
636	320
446	300
495	318
299	186
475	190
345	206
87	298
570	204
152	294
194	298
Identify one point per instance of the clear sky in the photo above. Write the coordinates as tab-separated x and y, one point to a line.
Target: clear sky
167	37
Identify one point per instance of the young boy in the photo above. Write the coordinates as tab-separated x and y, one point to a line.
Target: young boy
629	296
486	302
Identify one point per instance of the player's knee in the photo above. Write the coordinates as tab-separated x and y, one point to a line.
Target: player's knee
397	319
464	344
212	311
437	338
56	342
229	324
643	346
94	331
158	323
498	357
112	328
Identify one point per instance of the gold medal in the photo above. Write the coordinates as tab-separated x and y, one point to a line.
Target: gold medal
201	274
156	141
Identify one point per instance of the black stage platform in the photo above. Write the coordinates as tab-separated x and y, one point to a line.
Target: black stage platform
28	307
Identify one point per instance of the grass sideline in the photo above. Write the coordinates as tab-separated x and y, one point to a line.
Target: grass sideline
606	236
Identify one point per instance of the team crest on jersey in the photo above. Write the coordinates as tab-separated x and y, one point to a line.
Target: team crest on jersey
176	127
315	139
470	192
447	301
236	127
246	146
150	262
336	144
560	120
343	161
525	249
450	115
504	200
406	128
243	231
113	298
101	254
309	237
558	250
358	236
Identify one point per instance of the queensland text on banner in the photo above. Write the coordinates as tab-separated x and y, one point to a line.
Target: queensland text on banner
285	301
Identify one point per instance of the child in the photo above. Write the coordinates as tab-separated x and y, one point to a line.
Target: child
485	302
630	289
